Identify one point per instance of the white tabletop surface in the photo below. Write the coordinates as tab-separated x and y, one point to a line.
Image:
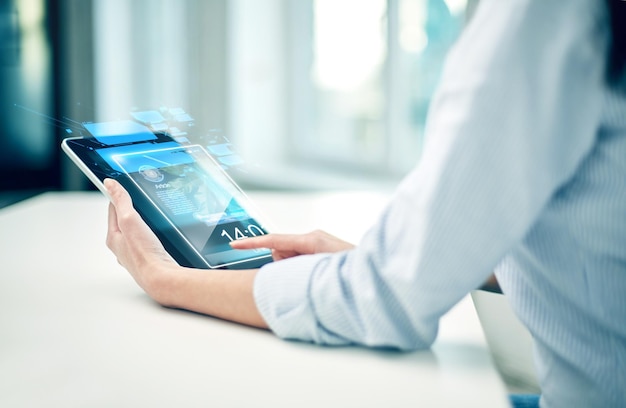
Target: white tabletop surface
75	330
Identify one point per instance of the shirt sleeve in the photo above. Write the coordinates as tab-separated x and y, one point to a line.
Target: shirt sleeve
516	112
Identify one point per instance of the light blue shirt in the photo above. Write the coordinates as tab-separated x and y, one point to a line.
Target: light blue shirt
524	173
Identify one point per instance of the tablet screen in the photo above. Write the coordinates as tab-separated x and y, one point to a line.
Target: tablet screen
180	189
197	197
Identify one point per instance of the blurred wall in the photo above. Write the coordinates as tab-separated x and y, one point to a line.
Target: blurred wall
27	150
46	80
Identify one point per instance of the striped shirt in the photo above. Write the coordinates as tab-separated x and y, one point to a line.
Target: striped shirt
524	173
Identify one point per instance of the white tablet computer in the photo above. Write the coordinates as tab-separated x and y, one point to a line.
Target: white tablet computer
179	189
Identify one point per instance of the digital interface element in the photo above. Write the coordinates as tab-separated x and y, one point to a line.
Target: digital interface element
165	124
181	127
123	131
198	198
107	153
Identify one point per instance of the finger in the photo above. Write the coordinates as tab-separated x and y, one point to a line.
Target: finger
112	219
119	197
251	243
280	255
264	241
113	233
280	243
273	241
126	215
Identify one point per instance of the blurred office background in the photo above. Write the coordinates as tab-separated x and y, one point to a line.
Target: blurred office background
314	93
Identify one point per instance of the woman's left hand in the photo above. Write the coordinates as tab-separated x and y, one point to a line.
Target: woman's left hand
136	247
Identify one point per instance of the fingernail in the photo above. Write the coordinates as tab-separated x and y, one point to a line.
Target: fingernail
108	183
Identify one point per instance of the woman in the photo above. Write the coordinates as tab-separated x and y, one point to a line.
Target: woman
524	173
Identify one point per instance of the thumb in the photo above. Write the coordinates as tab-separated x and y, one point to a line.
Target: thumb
119	196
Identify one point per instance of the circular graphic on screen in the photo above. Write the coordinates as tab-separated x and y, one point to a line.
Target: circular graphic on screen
151	173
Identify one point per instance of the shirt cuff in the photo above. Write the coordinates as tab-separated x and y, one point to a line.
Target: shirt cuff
281	293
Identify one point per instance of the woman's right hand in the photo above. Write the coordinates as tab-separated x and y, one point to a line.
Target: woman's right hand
289	245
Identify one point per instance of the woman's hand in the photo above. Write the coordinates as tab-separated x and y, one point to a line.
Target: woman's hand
227	294
286	246
136	247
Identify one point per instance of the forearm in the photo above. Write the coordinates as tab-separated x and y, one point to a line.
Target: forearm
226	294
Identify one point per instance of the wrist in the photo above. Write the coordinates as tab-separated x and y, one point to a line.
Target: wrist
226	294
162	281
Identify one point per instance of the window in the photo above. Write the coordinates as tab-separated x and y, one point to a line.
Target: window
152	53
373	68
343	85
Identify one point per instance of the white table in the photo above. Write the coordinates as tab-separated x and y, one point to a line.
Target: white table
75	330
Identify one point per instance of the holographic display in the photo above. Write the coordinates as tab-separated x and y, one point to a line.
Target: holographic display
179	177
